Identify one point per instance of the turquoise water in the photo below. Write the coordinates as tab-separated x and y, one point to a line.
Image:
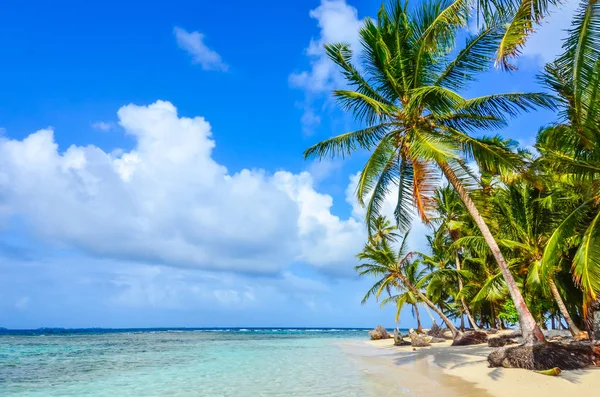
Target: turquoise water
181	363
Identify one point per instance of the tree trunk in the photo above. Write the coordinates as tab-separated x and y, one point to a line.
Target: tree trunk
419	326
575	331
553	322
430	315
531	331
462	298
561	325
493	311
462	322
429	303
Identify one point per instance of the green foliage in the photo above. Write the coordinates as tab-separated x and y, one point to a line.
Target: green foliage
542	209
508	313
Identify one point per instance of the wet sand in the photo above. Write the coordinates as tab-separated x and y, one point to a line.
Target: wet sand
458	371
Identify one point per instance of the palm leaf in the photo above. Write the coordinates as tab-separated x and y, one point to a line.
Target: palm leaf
586	264
346	144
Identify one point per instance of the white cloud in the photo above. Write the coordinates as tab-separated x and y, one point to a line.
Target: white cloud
102	126
546	43
338	22
416	240
309	120
193	44
167	201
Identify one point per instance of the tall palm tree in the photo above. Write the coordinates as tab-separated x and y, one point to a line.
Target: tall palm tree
417	125
527	226
451	218
388	267
571	148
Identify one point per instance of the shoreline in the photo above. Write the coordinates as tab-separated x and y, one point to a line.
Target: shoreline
459	371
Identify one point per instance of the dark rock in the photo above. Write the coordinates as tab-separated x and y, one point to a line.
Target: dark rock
544	356
379	333
597	325
470	338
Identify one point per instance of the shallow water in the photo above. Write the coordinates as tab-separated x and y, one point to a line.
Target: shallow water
182	363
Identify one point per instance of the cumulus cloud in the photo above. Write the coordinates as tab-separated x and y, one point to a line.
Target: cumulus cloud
102	126
79	291
193	44
338	23
167	201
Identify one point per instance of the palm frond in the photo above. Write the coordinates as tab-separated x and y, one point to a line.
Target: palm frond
346	144
475	57
586	264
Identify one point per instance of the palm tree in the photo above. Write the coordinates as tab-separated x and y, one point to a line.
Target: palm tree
388	266
383	230
417	124
414	274
452	220
571	148
527	226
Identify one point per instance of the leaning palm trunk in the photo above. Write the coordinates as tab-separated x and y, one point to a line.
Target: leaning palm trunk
575	331
531	331
419	326
451	327
433	322
462	298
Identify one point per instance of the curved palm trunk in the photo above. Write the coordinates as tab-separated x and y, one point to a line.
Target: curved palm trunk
575	331
419	326
462	298
430	315
451	327
531	331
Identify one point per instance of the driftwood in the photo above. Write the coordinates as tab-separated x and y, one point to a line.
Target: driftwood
501	341
470	338
398	340
379	333
544	356
419	340
436	331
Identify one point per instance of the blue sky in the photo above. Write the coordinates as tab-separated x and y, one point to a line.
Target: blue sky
151	169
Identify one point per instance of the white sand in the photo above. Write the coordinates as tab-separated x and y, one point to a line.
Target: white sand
467	374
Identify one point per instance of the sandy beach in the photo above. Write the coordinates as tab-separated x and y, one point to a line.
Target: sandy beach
460	371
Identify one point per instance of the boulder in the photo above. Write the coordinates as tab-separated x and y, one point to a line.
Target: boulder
379	333
470	338
544	356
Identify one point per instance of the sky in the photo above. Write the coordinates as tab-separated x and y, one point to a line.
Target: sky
151	169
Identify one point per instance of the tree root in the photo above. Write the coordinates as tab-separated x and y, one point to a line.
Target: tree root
544	356
470	338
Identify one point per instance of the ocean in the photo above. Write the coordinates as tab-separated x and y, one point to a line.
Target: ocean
177	362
